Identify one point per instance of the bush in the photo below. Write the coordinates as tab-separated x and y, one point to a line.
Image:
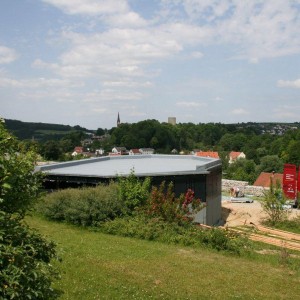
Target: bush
25	269
273	204
19	185
26	272
142	227
133	192
163	204
86	206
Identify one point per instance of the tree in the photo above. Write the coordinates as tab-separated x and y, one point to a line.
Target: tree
227	141
100	131
51	150
242	169
133	192
292	155
270	163
24	254
273	204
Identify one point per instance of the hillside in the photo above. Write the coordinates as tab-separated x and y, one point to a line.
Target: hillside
40	131
100	266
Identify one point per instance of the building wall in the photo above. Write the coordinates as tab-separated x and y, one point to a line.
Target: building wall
213	197
207	188
184	182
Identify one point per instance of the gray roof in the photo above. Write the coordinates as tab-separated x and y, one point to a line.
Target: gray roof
142	165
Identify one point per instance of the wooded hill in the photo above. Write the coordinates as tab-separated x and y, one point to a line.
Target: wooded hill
267	146
40	131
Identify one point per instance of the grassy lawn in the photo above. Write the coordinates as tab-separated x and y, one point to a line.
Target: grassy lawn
99	266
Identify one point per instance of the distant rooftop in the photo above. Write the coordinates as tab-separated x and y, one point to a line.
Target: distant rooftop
142	165
265	179
212	154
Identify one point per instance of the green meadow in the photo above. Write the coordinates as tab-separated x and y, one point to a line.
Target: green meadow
100	266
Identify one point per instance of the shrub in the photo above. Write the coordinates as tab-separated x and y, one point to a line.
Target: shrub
19	185
162	203
133	192
26	272
142	227
273	204
86	206
25	269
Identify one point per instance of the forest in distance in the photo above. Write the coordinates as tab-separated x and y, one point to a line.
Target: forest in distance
267	146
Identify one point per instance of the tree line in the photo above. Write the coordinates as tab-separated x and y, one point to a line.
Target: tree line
265	148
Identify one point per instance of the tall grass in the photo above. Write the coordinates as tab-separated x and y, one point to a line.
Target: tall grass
292	225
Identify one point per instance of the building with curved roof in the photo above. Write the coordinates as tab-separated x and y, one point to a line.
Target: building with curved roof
201	174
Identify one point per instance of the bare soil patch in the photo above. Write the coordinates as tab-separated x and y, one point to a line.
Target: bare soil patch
237	214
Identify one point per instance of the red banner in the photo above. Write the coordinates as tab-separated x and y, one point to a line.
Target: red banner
289	181
298	183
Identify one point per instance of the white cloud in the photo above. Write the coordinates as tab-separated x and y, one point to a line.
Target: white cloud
208	9
135	113
127	83
116	52
239	111
112	95
262	29
187	34
99	110
44	95
36	83
219	99
39	64
197	54
129	19
286	112
190	104
7	55
90	7
291	84
258	29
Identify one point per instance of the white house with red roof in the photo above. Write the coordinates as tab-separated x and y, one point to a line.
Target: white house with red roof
77	150
234	155
134	152
118	151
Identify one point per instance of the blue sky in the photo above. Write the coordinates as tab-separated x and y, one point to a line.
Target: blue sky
80	62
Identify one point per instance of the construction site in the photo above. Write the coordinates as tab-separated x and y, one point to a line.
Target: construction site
242	215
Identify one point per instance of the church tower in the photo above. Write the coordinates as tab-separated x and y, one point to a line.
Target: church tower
118	120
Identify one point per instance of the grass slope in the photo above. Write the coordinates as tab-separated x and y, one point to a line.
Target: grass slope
99	266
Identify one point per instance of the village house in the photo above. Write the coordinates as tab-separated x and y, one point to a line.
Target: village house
77	150
265	179
234	155
147	150
80	151
118	151
211	154
99	152
134	152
